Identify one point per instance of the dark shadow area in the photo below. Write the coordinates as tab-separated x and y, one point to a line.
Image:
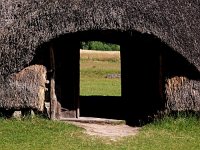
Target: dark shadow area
6	113
102	107
42	55
174	64
67	55
146	64
141	78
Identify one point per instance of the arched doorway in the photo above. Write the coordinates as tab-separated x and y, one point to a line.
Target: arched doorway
141	76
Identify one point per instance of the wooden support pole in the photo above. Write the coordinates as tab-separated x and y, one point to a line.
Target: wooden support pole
53	98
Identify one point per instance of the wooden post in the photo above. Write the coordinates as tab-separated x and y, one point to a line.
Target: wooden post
53	99
77	82
58	110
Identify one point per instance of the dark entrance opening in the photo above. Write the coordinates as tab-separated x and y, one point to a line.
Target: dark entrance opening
141	76
104	96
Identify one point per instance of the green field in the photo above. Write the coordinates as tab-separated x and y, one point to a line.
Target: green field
40	134
94	66
170	133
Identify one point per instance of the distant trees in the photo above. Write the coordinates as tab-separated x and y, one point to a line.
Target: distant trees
97	45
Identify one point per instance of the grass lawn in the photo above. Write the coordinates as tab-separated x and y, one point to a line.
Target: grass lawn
169	134
182	133
43	135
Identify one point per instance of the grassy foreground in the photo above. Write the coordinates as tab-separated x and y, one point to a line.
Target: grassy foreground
43	134
169	134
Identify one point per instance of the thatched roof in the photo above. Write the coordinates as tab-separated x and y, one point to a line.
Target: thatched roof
25	24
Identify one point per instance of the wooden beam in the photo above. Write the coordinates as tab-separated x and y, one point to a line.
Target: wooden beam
53	98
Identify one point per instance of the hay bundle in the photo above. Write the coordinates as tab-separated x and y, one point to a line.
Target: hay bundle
25	89
182	94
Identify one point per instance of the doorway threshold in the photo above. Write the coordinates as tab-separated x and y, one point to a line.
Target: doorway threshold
93	120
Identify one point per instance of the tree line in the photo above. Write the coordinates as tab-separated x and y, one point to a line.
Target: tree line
97	45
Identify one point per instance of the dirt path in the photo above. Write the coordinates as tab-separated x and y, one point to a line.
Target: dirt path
114	132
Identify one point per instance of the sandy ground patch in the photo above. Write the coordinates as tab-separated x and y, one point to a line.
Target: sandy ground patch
114	132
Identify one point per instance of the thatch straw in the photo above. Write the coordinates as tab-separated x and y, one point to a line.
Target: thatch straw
25	24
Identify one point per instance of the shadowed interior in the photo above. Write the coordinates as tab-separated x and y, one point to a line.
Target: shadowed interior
146	63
